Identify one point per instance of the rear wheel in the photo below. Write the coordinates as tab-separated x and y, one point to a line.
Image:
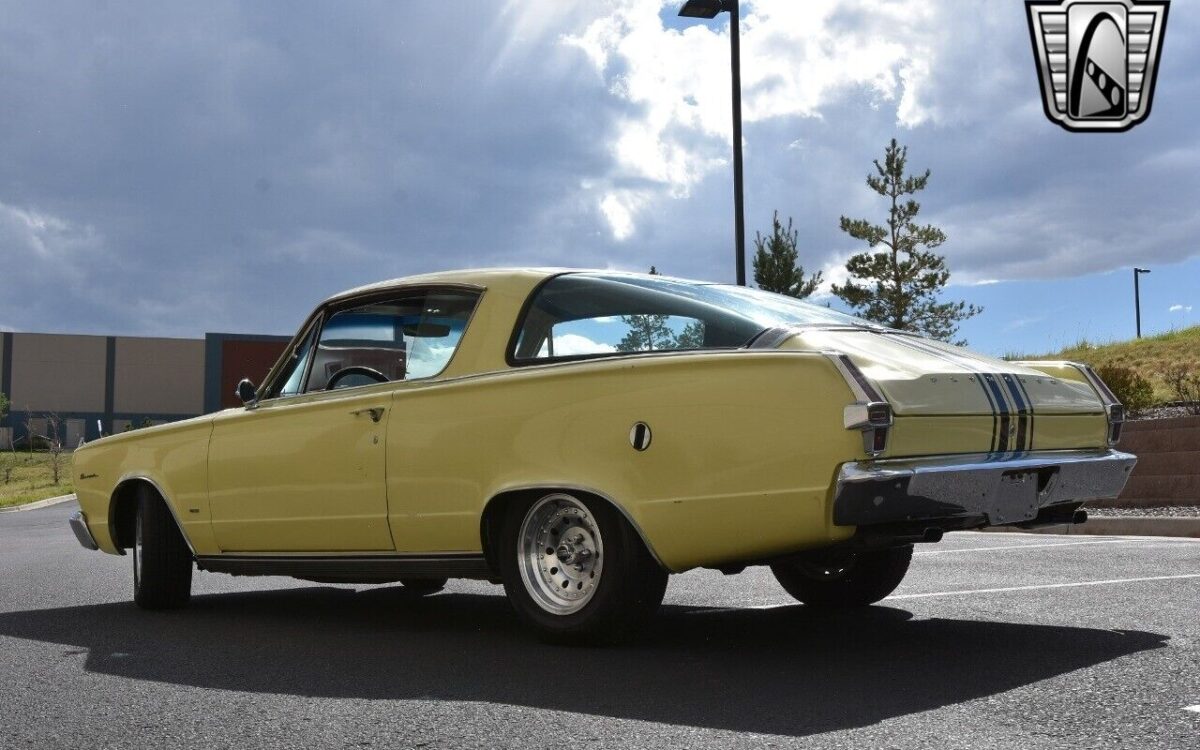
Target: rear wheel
162	563
423	586
576	571
843	578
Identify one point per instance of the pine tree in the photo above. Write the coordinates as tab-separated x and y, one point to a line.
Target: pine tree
646	332
899	285
691	337
775	266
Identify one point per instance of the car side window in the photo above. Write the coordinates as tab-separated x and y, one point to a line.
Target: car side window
581	315
405	338
623	333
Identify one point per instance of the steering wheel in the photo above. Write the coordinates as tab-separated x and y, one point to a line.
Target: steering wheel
359	370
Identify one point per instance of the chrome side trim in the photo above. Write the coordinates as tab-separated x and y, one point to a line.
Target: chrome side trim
912	489
78	523
350	566
166	501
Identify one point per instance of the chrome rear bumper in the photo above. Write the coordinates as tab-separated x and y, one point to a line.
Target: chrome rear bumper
78	523
1000	490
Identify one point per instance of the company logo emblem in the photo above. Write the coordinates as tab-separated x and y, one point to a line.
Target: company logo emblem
1097	61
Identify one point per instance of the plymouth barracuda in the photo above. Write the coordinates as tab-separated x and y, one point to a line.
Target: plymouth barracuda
579	435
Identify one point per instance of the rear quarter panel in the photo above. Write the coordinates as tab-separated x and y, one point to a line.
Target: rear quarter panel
744	450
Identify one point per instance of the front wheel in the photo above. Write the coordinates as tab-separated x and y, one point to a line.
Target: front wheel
842	578
162	563
576	571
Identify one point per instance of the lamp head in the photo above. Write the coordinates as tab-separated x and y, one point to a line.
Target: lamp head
702	8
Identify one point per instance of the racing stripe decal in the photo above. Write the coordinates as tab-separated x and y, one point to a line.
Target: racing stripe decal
1016	404
914	342
1005	413
1027	443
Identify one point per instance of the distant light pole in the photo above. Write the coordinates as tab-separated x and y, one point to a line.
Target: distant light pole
709	9
1137	298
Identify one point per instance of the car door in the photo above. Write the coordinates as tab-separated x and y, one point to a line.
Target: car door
303	475
303	470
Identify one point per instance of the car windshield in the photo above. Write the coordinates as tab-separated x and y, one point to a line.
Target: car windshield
593	314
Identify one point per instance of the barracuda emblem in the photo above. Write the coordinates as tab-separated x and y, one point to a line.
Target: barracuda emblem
1097	61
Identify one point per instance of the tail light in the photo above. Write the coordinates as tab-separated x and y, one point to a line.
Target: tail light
870	414
1113	410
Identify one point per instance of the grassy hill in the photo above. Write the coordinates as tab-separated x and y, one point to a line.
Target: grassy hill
1149	355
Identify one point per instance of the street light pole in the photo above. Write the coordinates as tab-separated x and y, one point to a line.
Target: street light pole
1137	298
709	9
739	212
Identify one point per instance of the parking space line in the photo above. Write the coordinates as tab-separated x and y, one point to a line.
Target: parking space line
1024	546
1193	709
1033	537
1045	586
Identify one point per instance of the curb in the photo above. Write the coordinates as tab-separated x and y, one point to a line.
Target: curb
39	503
1119	526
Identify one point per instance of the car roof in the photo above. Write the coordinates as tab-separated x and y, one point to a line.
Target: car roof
489	278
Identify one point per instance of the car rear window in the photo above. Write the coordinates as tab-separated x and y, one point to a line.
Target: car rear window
578	315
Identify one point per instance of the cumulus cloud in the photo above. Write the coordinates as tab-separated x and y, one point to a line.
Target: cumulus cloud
173	170
1180	308
569	344
797	56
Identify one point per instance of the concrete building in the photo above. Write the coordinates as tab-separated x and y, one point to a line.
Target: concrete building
94	383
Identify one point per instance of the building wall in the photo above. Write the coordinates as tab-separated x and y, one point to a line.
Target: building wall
107	383
229	357
6	432
158	376
58	373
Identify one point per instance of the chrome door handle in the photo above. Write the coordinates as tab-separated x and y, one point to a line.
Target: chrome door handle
376	413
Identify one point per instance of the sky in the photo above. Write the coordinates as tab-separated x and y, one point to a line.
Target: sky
177	168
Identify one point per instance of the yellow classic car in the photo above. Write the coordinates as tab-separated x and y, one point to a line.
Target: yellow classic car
579	435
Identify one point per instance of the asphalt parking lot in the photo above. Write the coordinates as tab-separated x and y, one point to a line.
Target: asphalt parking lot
993	641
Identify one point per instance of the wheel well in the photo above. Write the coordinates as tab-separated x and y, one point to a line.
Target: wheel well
493	519
122	511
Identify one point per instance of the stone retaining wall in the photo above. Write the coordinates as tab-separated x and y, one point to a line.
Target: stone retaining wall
1168	467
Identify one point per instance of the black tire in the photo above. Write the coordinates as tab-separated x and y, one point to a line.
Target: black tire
844	579
423	586
162	567
629	590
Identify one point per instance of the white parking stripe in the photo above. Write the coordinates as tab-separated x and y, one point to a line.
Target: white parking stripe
1031	536
1045	586
1193	709
1023	546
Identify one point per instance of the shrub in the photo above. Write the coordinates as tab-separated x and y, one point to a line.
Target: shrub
1185	384
1128	385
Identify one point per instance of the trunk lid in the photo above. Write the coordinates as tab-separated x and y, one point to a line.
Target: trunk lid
920	377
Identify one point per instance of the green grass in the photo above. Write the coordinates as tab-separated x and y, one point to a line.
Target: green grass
30	477
1149	355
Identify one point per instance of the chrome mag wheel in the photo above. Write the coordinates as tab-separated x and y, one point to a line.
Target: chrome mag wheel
560	554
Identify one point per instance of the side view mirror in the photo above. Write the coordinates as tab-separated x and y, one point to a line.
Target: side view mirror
246	391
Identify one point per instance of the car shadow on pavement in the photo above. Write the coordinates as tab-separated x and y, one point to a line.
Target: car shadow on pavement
787	670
